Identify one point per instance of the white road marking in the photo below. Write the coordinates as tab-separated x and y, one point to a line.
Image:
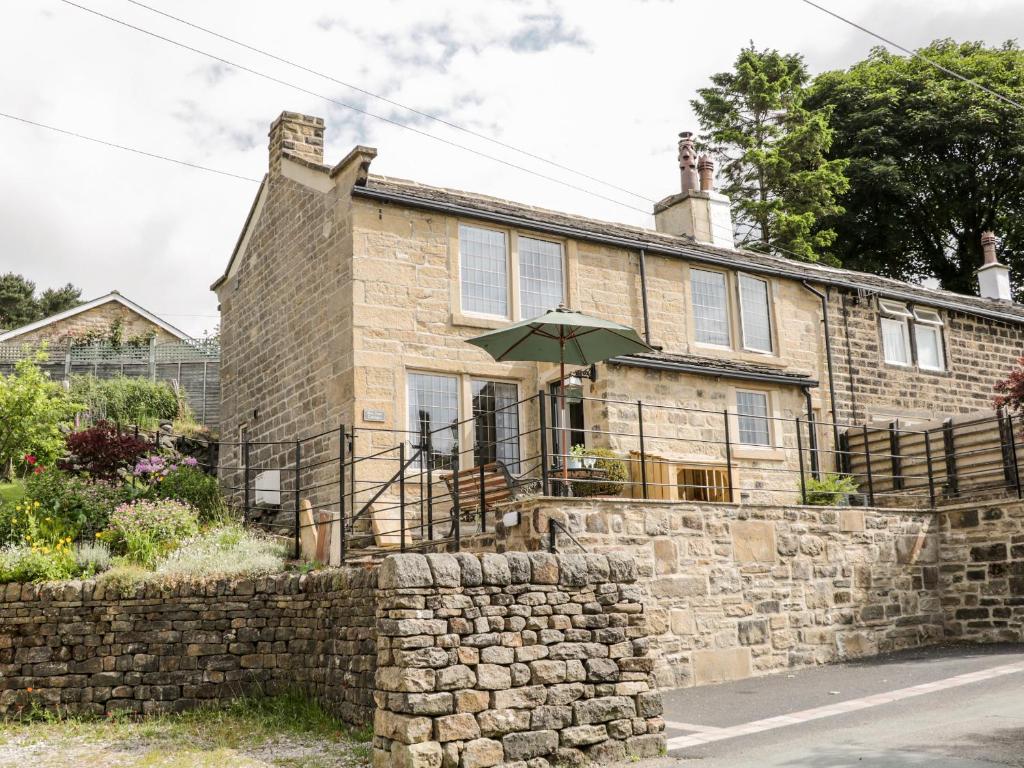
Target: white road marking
706	733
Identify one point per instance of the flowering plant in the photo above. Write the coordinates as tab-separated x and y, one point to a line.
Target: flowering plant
147	529
154	468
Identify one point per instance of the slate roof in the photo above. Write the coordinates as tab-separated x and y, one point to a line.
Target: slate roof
424	196
713	366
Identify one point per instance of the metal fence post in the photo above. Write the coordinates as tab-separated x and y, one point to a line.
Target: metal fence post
341	492
298	494
352	477
246	479
931	473
542	410
456	514
401	495
728	454
867	463
1013	454
643	451
800	461
551	536
430	489
949	448
894	451
483	497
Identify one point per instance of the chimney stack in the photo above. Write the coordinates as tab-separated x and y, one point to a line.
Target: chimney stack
993	277
297	136
697	211
706	170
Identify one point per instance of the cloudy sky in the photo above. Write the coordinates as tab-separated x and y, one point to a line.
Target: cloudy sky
600	87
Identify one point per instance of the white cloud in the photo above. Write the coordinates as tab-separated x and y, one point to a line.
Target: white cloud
601	87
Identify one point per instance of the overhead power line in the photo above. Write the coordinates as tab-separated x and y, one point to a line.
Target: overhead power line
918	55
400	105
126	148
353	108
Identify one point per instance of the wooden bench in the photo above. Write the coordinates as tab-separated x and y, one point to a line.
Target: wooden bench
488	486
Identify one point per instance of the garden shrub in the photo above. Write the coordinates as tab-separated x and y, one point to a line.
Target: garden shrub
123	578
147	530
83	506
828	490
188	484
127	399
101	452
92	557
613	467
22	563
223	552
33	411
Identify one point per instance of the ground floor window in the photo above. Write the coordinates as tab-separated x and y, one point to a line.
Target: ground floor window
495	423
752	413
433	400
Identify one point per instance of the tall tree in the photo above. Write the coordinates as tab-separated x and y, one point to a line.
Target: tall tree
54	300
772	153
19	304
17	301
934	161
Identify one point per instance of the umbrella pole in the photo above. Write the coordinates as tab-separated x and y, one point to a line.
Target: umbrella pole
564	430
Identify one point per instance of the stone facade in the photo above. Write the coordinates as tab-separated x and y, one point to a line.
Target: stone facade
739	590
983	571
512	660
979	352
84	648
98	319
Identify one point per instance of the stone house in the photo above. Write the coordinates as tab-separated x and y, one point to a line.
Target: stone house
349	297
94	320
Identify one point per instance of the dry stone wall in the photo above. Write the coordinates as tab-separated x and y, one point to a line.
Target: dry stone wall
983	572
512	660
81	647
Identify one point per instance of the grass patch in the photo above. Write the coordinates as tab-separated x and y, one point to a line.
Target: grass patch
11	492
274	731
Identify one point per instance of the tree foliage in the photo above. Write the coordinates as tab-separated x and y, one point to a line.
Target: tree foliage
33	412
771	151
934	161
20	306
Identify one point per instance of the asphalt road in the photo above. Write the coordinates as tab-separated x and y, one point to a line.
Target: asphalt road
952	706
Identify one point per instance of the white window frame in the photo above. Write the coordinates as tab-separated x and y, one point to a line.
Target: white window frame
769	421
727	309
927	319
740	277
508	277
895	314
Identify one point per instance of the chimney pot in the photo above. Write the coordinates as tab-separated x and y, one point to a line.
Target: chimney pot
688	162
706	169
988	247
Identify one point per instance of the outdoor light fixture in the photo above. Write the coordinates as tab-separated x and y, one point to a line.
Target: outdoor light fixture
574	378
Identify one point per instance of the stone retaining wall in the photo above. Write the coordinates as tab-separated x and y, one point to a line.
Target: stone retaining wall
89	649
982	572
737	590
512	660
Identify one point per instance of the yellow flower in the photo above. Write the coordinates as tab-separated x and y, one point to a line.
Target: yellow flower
36	505
97	535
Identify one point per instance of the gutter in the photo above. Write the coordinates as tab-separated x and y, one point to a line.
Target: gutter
643	296
724	373
823	297
680	251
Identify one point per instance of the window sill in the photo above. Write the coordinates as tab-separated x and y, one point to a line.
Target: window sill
759	452
770	359
460	320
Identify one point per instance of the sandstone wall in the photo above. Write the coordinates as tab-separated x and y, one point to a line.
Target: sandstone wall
85	648
97	320
979	352
739	590
982	571
499	659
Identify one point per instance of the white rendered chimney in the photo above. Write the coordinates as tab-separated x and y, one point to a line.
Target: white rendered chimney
993	277
697	211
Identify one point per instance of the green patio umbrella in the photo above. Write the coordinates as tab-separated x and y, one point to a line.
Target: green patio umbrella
561	336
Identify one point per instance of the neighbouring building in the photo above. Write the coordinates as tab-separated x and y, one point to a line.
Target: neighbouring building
349	297
113	336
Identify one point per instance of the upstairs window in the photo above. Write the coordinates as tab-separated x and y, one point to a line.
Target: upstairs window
755	314
484	270
895	336
710	307
928	338
541	276
899	325
752	415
